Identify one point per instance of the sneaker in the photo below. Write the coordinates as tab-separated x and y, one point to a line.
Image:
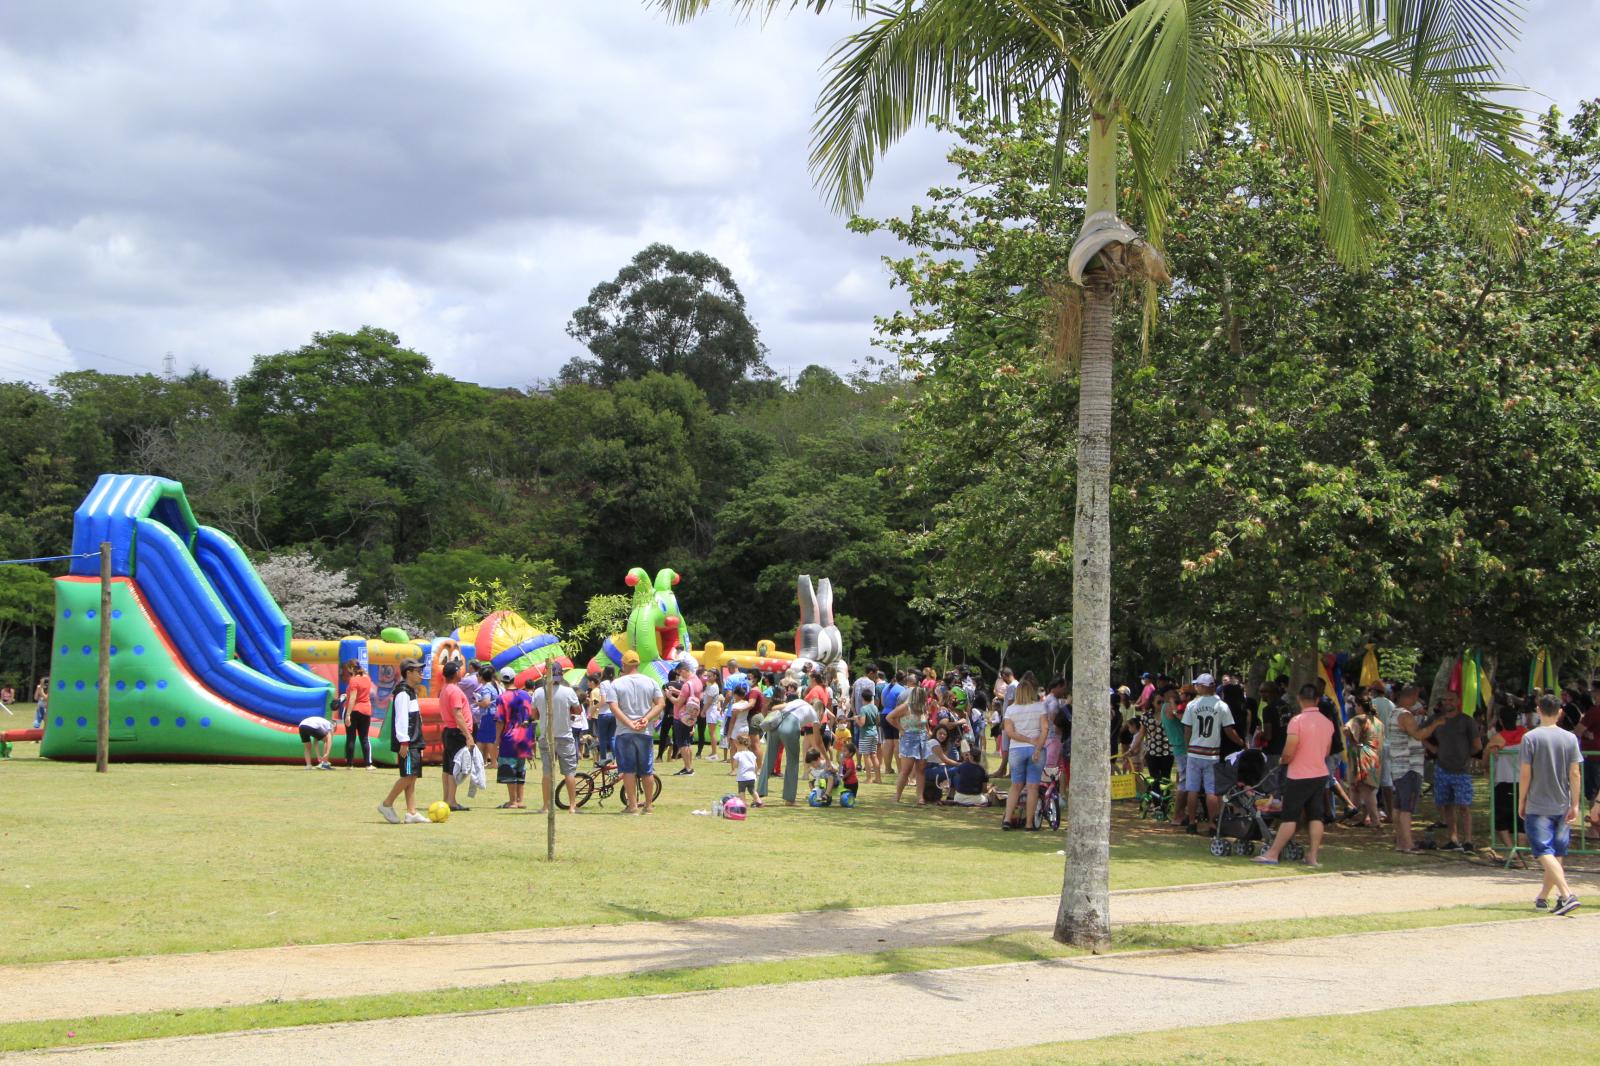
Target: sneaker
415	818
1452	846
1541	904
324	766
371	767
1467	845
459	807
394	819
1566	906
683	773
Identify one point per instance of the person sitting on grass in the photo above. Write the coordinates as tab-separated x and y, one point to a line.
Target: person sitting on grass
316	736
970	781
1305	752
406	742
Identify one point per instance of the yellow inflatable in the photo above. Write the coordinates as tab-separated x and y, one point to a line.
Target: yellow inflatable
766	657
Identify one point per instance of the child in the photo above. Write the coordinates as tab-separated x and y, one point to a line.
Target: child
866	734
842	736
822	775
316	732
847	770
744	769
406	742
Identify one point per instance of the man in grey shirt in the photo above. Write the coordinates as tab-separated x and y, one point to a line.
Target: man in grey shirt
1551	782
564	745
1453	738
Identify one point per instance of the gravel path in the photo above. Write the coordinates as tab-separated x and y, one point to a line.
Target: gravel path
978	1008
146	983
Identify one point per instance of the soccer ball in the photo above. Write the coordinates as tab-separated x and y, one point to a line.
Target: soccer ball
438	811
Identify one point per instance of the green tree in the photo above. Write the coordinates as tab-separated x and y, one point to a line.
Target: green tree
1315	74
432	584
668	312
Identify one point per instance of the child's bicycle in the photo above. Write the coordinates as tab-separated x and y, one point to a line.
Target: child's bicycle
602	782
1155	797
1049	810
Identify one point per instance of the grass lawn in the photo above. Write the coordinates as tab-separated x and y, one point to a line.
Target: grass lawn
1019	947
157	858
1535	1029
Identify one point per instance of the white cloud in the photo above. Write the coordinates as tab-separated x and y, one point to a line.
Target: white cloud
221	179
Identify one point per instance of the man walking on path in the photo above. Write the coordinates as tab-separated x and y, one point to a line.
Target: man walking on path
1306	744
1551	782
639	704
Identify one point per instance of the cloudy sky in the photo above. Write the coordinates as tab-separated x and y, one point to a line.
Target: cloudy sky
219	179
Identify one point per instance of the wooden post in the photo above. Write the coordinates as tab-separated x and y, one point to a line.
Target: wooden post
102	737
547	755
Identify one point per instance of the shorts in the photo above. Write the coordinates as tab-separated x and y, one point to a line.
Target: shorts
911	745
510	771
567	754
1025	769
682	734
867	744
410	764
1200	775
307	734
455	741
1505	806
635	753
1451	790
1408	792
1305	800
889	731
747	788
1548	834
1180	770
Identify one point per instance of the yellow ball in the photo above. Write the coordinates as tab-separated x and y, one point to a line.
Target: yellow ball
438	811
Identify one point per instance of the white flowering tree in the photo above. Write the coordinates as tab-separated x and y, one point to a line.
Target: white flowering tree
321	604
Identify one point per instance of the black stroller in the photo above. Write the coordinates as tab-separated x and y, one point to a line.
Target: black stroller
1250	803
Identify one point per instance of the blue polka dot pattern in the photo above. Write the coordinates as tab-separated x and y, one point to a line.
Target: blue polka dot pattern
155	721
180	722
61	686
58	719
67	613
65	650
122	686
89	613
88	650
139	685
205	723
79	686
82	721
128	722
116	613
138	649
113	649
161	684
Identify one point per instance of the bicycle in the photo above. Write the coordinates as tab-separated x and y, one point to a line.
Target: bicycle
1155	797
603	781
1049	809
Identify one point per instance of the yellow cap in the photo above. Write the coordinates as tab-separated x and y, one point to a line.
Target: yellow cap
630	658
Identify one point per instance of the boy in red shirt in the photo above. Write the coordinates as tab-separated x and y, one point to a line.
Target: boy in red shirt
455	715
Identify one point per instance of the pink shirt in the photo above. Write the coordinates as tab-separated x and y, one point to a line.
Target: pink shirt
1316	739
453	710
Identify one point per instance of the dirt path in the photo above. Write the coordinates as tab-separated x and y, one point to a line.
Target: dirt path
979	1009
146	983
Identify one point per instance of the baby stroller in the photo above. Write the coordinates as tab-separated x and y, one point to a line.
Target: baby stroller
1250	806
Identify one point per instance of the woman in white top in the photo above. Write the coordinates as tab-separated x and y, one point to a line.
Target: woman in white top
1025	728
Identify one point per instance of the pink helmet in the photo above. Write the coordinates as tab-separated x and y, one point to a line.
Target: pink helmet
734	809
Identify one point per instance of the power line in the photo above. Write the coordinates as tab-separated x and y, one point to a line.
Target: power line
146	367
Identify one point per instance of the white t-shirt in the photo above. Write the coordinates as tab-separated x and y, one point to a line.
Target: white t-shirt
320	726
1026	718
608	696
561	721
744	766
1207	717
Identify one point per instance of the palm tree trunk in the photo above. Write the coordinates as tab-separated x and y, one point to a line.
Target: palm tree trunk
1084	916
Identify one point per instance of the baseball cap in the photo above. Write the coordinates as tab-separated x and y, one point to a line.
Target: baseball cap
1205	680
410	664
507	674
630	658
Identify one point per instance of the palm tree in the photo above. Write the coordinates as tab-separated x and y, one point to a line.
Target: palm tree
1335	82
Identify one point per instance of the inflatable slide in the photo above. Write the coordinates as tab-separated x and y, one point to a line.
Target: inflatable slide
200	653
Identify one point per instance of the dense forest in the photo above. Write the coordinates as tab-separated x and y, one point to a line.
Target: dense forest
1305	455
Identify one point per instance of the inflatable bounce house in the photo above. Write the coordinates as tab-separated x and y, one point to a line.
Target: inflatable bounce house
204	666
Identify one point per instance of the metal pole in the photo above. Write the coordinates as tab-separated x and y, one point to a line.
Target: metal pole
546	756
102	738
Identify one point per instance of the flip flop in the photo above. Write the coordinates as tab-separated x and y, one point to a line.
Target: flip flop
504	807
1262	860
